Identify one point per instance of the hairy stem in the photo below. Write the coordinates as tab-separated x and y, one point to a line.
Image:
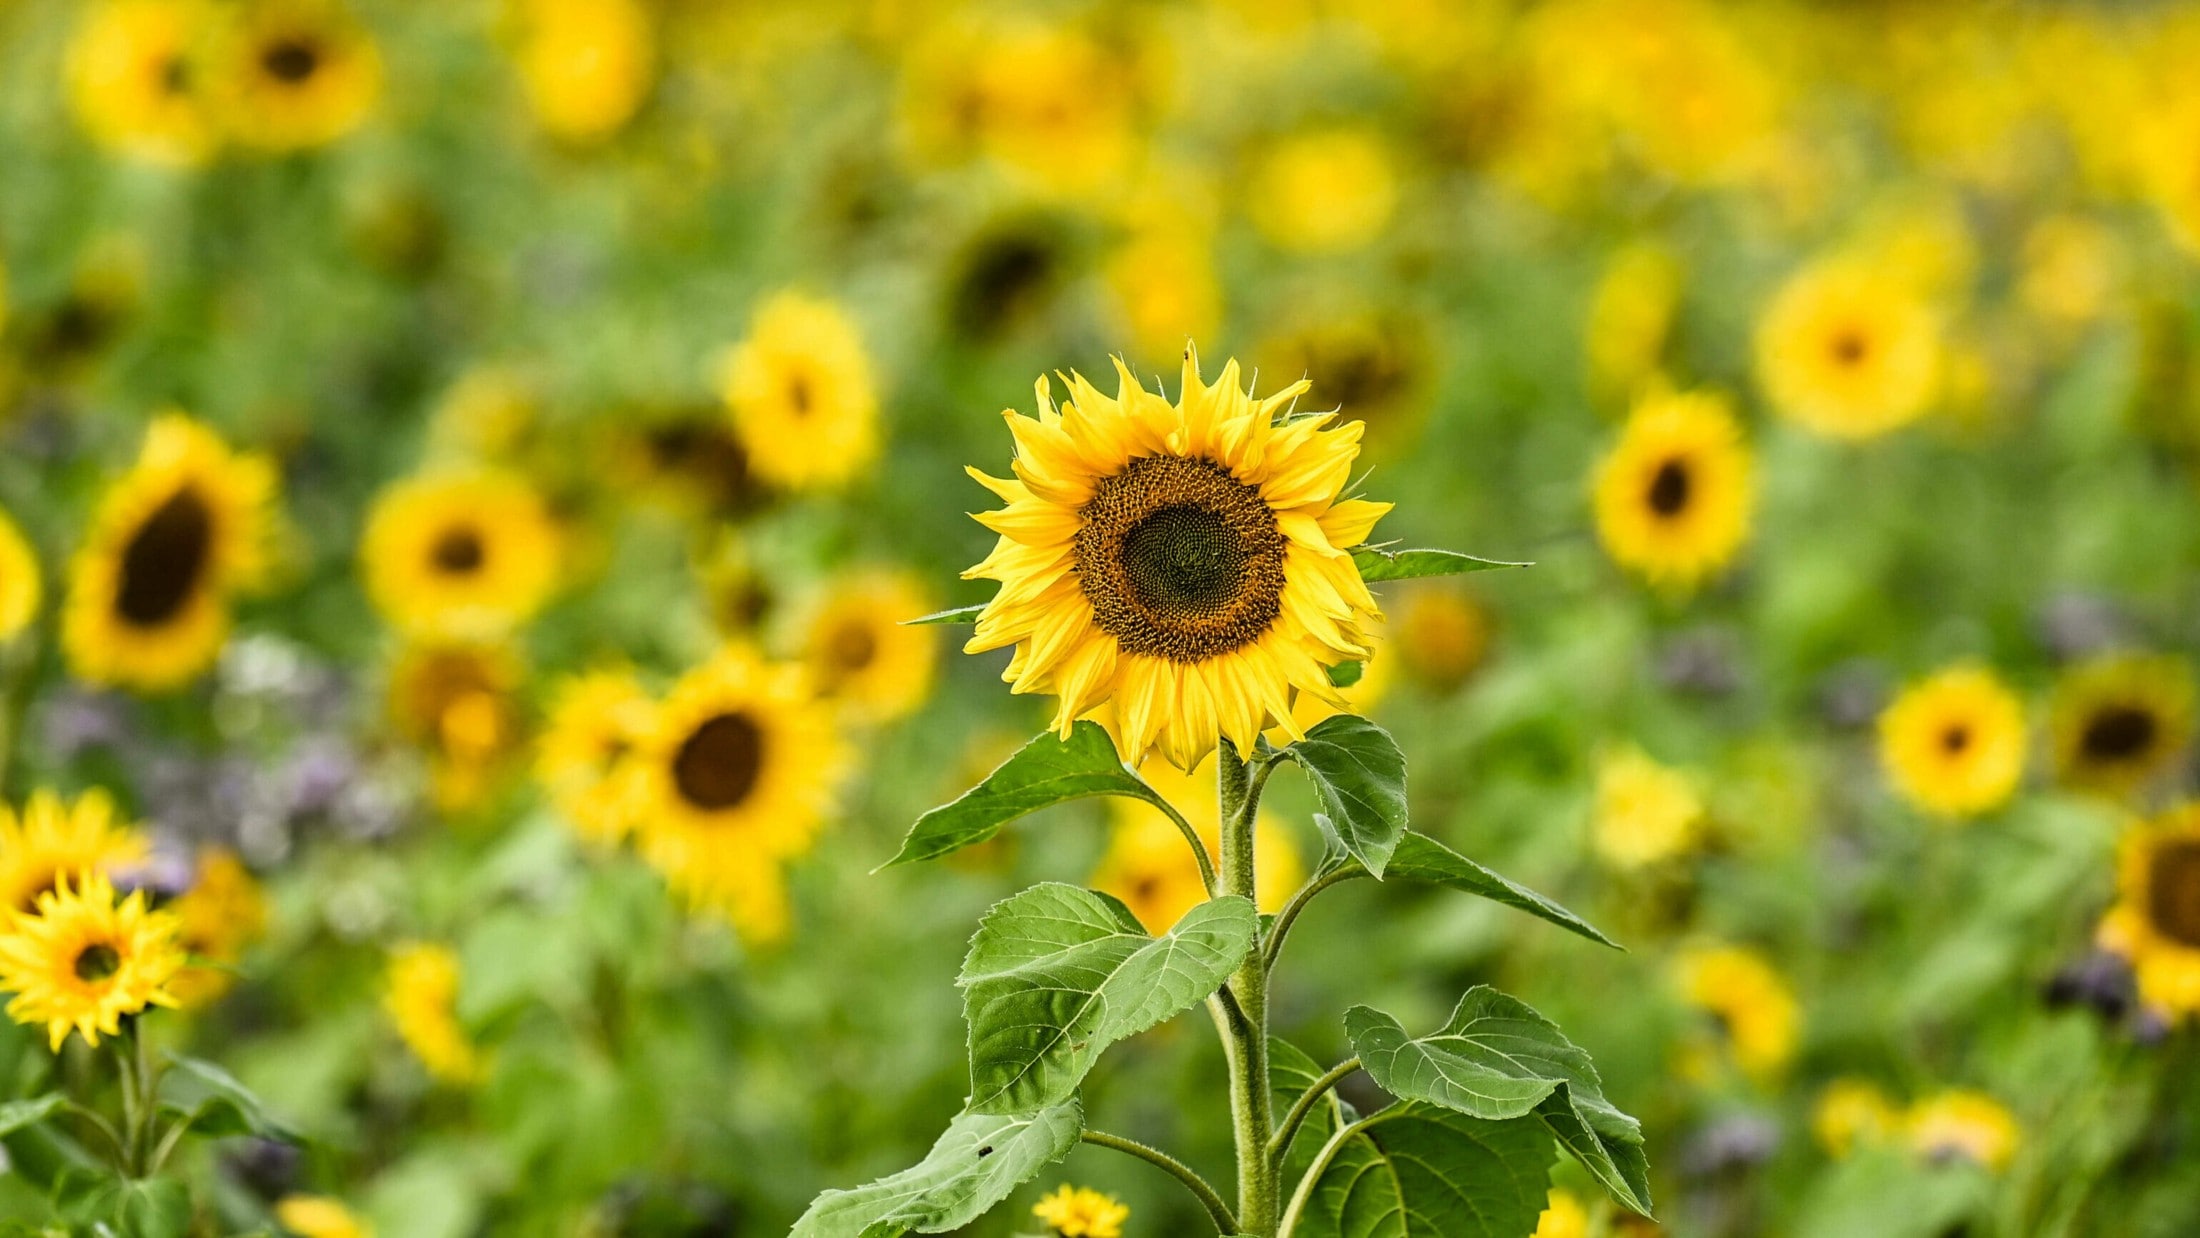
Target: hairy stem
1246	1038
1191	836
1208	1198
1280	1142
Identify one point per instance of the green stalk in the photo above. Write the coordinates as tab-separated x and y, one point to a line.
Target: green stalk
1246	1038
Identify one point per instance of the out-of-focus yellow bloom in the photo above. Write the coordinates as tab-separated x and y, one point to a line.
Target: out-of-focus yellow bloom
860	652
1439	633
137	79
1047	103
87	958
1150	866
1752	1007
456	701
2120	720
1962	1125
21	587
1325	190
1849	351
296	74
1081	1212
459	554
1923	239
1853	1113
486	413
1645	812
802	395
51	838
222	913
586	64
585	756
2074	271
1366	363
318	1216
1673	496
1954	743
1630	319
2156	920
1166	290
421	998
1563	1217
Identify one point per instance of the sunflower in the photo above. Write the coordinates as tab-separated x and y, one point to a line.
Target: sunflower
1081	1212
2156	921
470	553
51	837
297	74
587	65
222	912
1563	1217
1752	1007
1645	813
1046	103
2119	720
802	396
1849	351
1853	1113
456	701
585	757
1377	366
318	1216
861	654
1150	867
137	79
86	959
421	997
735	775
21	589
1325	191
1673	496
1954	743
1189	562
1440	632
1631	319
1961	1125
149	589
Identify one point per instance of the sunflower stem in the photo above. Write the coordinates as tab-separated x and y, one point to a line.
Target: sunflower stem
1286	1130
1224	1222
1246	1039
1207	876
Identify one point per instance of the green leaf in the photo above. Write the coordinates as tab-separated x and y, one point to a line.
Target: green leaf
1345	674
216	1103
100	1203
1360	774
1379	565
1421	858
1417	1171
973	1167
1496	1058
1046	771
1290	1073
17	1114
1056	974
956	614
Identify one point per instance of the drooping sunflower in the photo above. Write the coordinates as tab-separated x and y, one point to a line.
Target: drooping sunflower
802	395
1954	743
587	64
318	1216
1189	562
52	837
1750	1005
1963	1125
149	589
87	958
1849	351
222	913
586	755
1149	865
2156	920
21	589
2119	720
420	995
297	74
456	701
861	654
1645	813
1081	1212
137	79
471	553
1673	496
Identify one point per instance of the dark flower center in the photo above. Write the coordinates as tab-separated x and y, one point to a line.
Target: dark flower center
717	765
1849	347
1955	739
1180	560
175	75
2173	892
2119	733
291	60
800	398
97	961
165	561
852	647
1669	489
459	551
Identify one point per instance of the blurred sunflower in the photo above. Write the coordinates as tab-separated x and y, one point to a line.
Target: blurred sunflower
1631	318
296	74
1646	813
1849	351
1751	1006
51	837
1853	1113
318	1216
2156	920
1673	496
1954	743
586	64
1188	562
1047	103
1439	632
21	589
1374	366
860	653
66	339
736	774
456	701
1563	1217
2121	719
470	553
1325	190
802	395
1961	1125
420	995
87	958
1149	865
585	756
1163	274
1081	1212
148	595
222	913
137	79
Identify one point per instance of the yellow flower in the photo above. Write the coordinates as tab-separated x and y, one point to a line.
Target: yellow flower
1188	562
1564	1217
859	652
2074	270
1149	865
459	554
137	79
1753	1008
85	959
1166	290
1673	496
486	412
1849	351
216	918
21	589
802	396
318	1216
587	64
297	74
586	755
2156	920
1954	743
421	997
149	589
1081	1212
1325	191
1963	1125
1441	635
1630	318
1851	1113
1368	364
455	700
1645	812
50	838
1045	102
2120	720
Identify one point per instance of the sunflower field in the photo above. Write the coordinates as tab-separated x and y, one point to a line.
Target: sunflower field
1655	541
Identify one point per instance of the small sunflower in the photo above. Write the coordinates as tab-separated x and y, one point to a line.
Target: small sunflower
2156	921
222	913
21	589
420	995
1326	190
457	702
1673	496
1563	1217
1645	813
587	65
1189	562
1375	365
1853	1113
861	654
1961	1125
1081	1212
1849	351
149	589
297	74
586	754
2120	720
1954	743
1751	1006
318	1216
86	958
802	395
1631	319
1440	632
1150	867
137	79
52	837
459	553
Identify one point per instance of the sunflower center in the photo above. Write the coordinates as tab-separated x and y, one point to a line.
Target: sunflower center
1849	346
800	399
1955	739
459	551
717	765
2118	733
1670	488
291	60
175	75
1180	560
852	647
97	961
165	559
2173	892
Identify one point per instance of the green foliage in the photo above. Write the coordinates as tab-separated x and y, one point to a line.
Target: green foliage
15	1115
1421	858
956	614
972	1167
103	1205
1360	774
1378	564
1419	1171
1046	771
214	1103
